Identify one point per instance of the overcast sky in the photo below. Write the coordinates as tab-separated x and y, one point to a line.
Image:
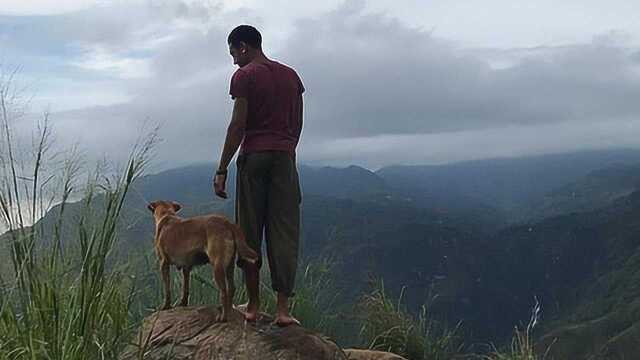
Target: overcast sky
388	82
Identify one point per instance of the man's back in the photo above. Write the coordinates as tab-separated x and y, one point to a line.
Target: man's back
274	95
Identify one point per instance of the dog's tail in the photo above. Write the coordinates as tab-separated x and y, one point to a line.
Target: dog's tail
244	250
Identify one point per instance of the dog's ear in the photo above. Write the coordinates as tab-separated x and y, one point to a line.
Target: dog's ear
152	206
176	206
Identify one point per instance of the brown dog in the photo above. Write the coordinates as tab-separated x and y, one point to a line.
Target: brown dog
186	243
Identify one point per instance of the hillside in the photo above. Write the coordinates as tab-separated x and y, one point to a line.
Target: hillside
597	189
357	229
580	262
583	267
511	185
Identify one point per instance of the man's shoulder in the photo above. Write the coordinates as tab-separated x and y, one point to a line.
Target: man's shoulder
257	70
286	68
239	73
248	69
291	76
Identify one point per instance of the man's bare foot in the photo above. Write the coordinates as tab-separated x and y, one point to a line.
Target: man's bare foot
250	312
285	320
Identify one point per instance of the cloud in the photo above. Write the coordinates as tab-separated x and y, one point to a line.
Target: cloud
378	91
38	7
370	75
123	67
510	141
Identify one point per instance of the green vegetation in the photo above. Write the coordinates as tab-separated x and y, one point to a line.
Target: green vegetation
522	346
387	326
64	302
62	299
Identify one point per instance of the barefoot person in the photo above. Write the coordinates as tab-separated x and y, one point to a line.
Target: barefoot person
267	121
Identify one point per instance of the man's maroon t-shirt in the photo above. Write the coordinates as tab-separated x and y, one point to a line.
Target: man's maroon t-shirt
274	118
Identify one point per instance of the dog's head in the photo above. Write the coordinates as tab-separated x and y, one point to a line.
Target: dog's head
161	207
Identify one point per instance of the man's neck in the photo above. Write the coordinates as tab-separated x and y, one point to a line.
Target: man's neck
260	57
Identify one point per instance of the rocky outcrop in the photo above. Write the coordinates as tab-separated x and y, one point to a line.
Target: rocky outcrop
193	333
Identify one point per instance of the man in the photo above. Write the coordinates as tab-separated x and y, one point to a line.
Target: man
267	120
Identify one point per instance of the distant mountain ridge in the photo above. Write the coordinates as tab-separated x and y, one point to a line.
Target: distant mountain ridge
350	182
597	189
512	185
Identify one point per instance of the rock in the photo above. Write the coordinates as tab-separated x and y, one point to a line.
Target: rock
356	354
193	333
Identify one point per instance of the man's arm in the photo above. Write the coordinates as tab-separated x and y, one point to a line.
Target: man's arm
235	132
300	110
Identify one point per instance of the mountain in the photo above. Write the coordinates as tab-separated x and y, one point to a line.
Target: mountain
595	190
509	185
580	259
348	215
353	182
193	184
584	268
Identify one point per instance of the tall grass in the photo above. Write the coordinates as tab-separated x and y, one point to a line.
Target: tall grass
66	305
61	302
388	326
522	346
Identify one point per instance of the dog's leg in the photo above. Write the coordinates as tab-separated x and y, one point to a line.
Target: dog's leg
221	281
166	281
231	285
186	272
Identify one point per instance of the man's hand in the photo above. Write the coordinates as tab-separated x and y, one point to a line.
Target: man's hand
219	184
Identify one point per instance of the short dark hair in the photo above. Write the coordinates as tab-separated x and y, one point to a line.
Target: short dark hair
245	33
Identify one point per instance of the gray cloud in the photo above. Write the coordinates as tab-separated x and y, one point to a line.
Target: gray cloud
369	76
371	81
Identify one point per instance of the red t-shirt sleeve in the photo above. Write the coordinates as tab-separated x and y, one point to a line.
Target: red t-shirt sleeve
239	85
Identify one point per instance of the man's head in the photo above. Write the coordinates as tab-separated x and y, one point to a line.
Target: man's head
245	42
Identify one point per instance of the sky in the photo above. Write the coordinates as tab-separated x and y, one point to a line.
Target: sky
387	82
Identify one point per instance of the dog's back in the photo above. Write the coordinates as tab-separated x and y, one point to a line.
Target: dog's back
197	240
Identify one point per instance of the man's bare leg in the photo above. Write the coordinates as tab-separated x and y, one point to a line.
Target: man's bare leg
252	282
283	318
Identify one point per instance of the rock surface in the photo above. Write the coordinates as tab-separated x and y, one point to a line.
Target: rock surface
193	333
357	354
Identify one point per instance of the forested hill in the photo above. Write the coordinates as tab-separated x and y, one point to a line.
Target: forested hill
516	186
405	225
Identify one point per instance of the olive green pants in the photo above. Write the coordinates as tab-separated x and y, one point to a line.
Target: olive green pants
268	202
